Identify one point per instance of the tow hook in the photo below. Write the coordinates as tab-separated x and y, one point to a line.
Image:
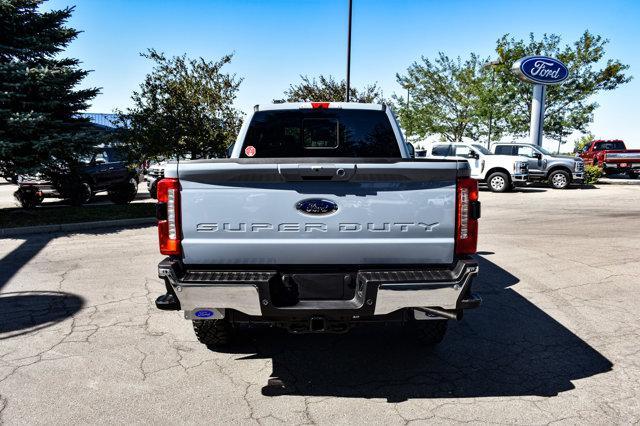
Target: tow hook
168	302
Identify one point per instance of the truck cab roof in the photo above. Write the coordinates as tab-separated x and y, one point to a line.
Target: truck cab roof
319	105
320	129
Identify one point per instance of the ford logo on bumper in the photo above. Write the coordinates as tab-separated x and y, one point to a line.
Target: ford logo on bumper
316	206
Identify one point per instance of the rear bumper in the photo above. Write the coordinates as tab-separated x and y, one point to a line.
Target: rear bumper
208	293
621	164
45	189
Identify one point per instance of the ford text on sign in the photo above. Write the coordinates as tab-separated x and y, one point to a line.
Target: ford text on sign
540	70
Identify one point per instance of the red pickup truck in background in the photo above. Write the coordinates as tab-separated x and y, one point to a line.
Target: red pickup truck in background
612	156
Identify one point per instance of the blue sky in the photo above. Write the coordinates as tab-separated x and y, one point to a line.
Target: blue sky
276	41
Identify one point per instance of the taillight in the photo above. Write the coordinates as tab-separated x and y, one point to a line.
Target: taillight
467	215
168	213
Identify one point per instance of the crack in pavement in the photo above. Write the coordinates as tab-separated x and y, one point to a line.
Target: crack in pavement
4	402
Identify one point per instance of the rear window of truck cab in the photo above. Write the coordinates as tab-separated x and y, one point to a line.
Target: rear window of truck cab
613	145
504	150
320	133
441	150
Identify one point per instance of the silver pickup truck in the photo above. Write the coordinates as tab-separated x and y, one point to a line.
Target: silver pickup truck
319	220
558	170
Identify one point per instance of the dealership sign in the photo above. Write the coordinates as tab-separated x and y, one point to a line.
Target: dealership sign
540	70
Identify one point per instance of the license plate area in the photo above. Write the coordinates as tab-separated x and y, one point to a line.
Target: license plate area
288	289
325	286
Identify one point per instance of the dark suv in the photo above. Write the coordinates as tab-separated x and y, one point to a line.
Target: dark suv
104	171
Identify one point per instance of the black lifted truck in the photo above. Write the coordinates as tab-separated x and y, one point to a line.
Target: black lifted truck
104	171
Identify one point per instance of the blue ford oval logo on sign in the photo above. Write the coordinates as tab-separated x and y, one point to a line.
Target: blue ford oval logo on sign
540	70
316	206
204	313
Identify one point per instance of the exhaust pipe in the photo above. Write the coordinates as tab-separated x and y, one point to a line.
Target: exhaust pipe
452	315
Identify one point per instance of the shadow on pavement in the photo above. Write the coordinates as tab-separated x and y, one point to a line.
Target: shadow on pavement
524	189
29	311
530	189
572	186
11	263
508	347
25	312
21	255
99	199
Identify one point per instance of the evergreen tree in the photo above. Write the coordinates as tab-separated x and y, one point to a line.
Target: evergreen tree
39	130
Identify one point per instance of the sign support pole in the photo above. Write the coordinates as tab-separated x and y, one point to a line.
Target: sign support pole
347	94
537	114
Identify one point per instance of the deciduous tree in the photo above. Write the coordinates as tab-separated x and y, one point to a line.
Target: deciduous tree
449	97
184	107
581	142
456	99
570	105
327	89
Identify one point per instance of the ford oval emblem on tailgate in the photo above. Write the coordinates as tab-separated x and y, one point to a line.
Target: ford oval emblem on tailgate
316	206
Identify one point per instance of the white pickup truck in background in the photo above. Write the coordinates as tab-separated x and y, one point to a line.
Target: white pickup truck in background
501	173
319	220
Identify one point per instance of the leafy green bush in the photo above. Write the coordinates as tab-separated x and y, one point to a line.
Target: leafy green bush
592	174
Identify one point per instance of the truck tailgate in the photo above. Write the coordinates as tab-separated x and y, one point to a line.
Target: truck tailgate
320	214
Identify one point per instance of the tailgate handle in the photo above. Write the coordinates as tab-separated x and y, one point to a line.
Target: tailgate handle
317	172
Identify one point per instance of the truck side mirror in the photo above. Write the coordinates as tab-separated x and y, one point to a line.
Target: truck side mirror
537	155
411	149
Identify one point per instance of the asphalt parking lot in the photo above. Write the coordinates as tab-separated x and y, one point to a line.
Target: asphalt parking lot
556	340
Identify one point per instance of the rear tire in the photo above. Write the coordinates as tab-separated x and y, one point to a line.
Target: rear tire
498	182
81	194
214	333
153	190
559	179
430	332
124	193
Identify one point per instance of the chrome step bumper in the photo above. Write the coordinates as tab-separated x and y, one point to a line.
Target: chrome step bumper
207	293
